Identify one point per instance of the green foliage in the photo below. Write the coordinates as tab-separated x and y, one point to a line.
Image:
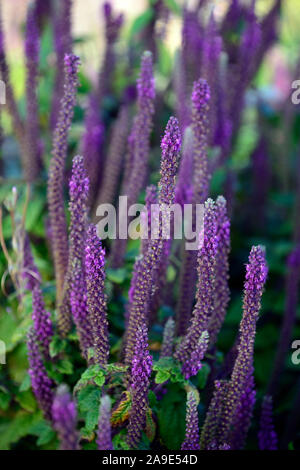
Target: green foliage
171	417
167	369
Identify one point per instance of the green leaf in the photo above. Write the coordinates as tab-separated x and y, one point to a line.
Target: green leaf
141	22
26	383
91	419
121	413
4	399
57	345
65	366
202	375
88	398
26	400
17	428
162	376
171	417
44	432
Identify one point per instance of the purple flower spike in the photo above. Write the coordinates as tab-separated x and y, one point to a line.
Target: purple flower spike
32	47
79	308
206	283
96	298
42	385
191	441
168	339
64	416
30	275
192	366
79	190
241	378
114	163
41	321
139	144
200	109
170	146
222	293
56	181
139	385
104	427
267	436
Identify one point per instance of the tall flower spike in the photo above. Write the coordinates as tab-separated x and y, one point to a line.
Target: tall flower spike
92	143
104	427
168	339
200	125
191	441
139	385
243	416
41	383
256	274
31	157
206	283
267	436
79	308
170	147
79	190
211	434
56	180
200	110
222	292
140	137
64	417
41	321
112	30
192	366
61	17
152	258
96	298
114	162
30	274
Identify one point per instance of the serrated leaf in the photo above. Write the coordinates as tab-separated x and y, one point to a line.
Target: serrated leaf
171	417
121	413
150	426
88	398
162	376
65	366
57	345
91	419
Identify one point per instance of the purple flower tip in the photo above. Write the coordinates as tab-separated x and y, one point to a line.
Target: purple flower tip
72	63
